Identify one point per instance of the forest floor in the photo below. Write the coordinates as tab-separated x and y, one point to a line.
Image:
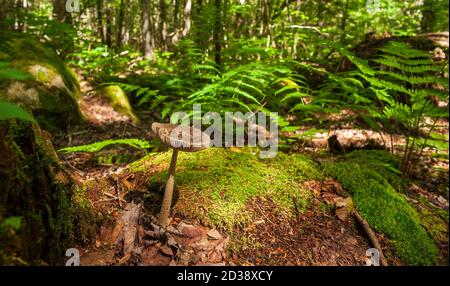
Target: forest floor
274	237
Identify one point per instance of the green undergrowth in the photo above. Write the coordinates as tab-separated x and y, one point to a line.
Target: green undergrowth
373	180
215	185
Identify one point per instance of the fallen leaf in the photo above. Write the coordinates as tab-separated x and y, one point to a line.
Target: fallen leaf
214	234
344	207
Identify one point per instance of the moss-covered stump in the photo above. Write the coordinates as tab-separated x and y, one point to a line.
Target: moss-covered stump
119	101
373	179
52	92
215	185
38	206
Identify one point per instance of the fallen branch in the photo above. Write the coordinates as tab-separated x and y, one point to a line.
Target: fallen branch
371	235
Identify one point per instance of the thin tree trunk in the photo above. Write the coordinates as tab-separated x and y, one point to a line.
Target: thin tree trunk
120	24
344	22
187	18
100	27
19	22
218	33
146	22
176	32
59	12
163	24
108	27
428	17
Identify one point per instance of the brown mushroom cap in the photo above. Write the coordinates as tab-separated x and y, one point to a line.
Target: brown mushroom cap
181	137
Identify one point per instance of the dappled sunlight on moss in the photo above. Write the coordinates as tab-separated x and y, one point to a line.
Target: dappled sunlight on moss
216	184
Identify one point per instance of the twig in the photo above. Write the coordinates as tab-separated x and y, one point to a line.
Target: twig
104	200
116	185
372	237
114	197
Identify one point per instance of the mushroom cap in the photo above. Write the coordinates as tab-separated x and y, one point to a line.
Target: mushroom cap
181	137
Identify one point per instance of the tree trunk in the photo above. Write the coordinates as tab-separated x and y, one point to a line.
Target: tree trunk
36	188
218	33
109	19
187	18
163	24
428	17
146	22
100	28
175	34
59	12
120	24
344	22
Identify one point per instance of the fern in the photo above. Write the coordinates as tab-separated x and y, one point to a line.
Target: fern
394	96
97	146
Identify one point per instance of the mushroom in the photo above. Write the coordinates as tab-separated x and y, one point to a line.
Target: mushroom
179	138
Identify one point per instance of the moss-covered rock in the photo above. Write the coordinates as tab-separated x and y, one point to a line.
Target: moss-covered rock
53	90
119	101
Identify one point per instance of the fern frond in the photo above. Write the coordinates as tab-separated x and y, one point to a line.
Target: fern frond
97	146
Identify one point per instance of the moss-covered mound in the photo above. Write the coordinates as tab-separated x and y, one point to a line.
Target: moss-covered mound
215	184
372	178
119	101
53	90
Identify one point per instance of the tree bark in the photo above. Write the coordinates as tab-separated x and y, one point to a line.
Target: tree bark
147	38
176	32
59	12
187	18
218	33
163	24
100	28
109	19
120	19
344	22
428	17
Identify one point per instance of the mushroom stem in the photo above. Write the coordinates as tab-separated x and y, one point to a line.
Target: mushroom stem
167	200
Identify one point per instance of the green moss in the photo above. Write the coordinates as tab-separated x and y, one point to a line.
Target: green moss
436	226
384	163
118	100
217	183
371	179
52	90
